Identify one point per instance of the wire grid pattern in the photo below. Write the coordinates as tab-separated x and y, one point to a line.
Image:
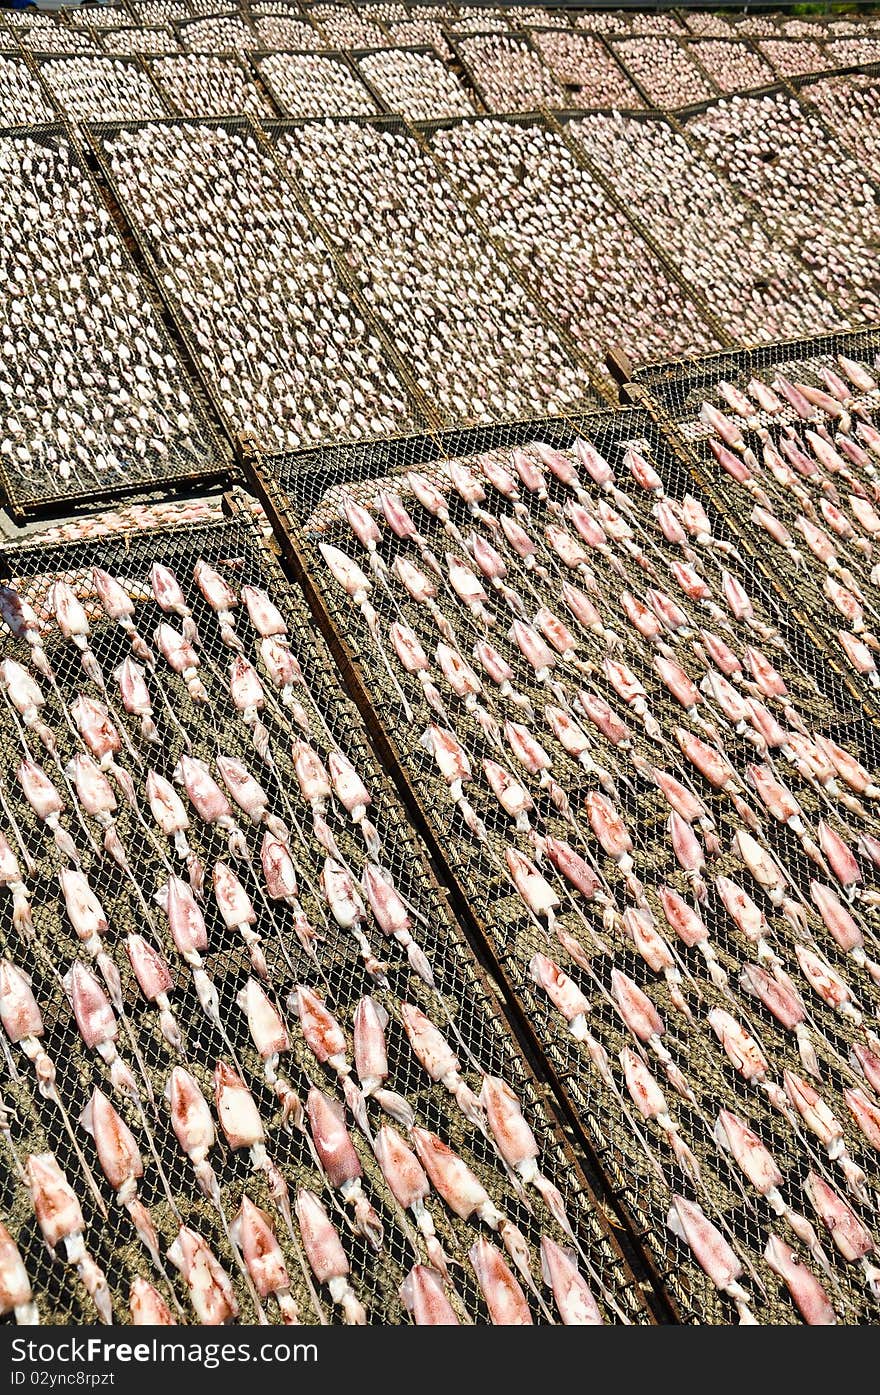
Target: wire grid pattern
732	64
217	34
421	31
190	451
58	41
235	550
206	84
586	68
413	82
679	391
314	84
849	104
156	38
790	57
561	228
665	71
345	27
785	164
846	52
756	287
479	346
509	74
160	11
102	89
284	32
24	100
307	493
346	357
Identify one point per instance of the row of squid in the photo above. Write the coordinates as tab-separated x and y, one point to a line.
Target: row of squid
101	788
517	602
807	458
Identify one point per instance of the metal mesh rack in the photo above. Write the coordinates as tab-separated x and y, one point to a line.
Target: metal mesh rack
586	68
536	86
28	100
834	238
349	94
217	34
196	84
549	239
155	38
734	65
272	204
197	457
676	392
117	88
237	551
686	80
405	88
756	287
844	100
373	256
303	496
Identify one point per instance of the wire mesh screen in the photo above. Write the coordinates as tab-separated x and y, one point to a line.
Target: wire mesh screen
118	408
805	508
788	166
756	287
286	350
478	342
563	229
563	735
298	938
848	104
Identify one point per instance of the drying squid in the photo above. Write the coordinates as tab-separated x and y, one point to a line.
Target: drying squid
172	820
649	1100
47	804
424	1297
243	1128
807	1293
505	1299
341	1164
466	1196
221	598
11	879
393	920
781	999
747	1058
155	980
371	1061
237	913
357	585
760	1167
349	912
326	1257
711	1251
60	1219
16	1296
850	1236
326	1041
118	605
122	1165
73	624
147	1307
436	1056
409	1185
23	1024
209	801
821	1122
